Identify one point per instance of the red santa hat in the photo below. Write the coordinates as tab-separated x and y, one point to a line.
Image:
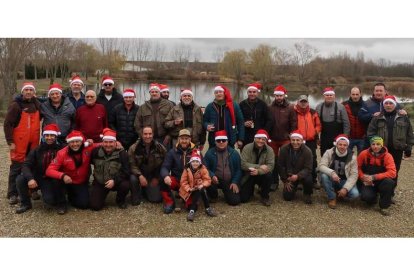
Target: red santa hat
51	129
107	79
55	87
108	134
328	91
390	99
221	134
296	134
76	79
261	133
164	87
229	103
341	137
28	85
186	91
254	86
195	156
154	86
75	135
129	92
280	90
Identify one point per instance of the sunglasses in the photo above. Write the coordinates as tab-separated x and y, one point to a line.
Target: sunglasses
221	140
108	84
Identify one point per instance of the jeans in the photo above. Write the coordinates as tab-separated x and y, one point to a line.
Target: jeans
358	143
332	187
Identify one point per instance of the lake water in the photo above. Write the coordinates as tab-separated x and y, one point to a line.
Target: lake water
203	92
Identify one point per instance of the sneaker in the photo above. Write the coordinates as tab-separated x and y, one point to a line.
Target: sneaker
265	202
385	212
168	209
23	208
122	205
332	203
307	199
35	195
13	200
210	212
191	215
61	210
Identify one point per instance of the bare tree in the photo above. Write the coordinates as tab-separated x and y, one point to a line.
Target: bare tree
218	53
13	52
304	53
158	54
141	51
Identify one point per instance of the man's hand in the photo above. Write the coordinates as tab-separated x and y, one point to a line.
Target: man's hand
367	180
376	114
12	146
67	179
167	180
32	184
293	178
109	184
143	181
214	179
253	171
234	188
239	144
248	124
342	193
335	177
402	112
119	146
288	186
265	168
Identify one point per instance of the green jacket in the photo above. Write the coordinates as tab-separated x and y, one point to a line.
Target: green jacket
143	163
249	157
107	167
198	133
402	132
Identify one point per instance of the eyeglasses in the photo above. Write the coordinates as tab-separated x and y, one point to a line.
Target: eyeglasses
221	140
108	84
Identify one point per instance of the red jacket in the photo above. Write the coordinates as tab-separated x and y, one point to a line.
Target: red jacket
308	123
385	159
358	129
64	164
91	120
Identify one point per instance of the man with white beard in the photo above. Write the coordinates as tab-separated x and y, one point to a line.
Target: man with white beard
75	95
189	115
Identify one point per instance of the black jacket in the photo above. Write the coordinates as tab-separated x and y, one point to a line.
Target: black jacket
109	105
122	121
260	115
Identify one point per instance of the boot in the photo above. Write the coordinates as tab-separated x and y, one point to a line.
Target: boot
23	208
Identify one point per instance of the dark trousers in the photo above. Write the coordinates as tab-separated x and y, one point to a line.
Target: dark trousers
15	170
263	181
151	192
52	191
385	189
99	193
230	197
312	145
195	197
307	188
78	194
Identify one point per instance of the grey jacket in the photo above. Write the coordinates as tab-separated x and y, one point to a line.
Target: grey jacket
328	115
64	116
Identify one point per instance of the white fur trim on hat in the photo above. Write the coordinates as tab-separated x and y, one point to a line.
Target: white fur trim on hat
297	135
54	89
389	100
218	88
76	81
112	138
108	81
165	89
330	92
51	132
187	92
279	93
339	139
128	94
253	88
28	86
195	159
221	137
74	138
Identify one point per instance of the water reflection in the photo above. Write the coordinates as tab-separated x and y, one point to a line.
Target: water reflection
203	92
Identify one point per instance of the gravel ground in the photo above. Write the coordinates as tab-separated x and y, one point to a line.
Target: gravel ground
282	219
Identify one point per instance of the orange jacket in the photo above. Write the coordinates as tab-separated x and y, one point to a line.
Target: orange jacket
308	123
385	159
26	135
189	181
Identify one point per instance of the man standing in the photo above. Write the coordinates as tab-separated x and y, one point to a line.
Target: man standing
146	157
310	125
22	131
339	171
295	167
358	129
58	110
283	122
34	169
111	172
153	113
109	96
334	119
224	114
255	113
91	118
173	167
224	165
186	115
75	94
165	92
257	163
122	119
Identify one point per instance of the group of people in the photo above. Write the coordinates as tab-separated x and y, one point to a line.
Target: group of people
153	151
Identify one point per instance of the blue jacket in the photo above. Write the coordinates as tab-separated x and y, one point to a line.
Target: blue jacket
211	116
175	162
369	107
210	160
